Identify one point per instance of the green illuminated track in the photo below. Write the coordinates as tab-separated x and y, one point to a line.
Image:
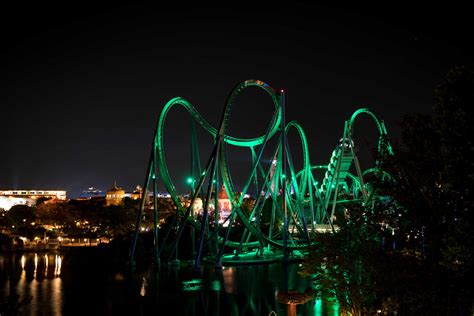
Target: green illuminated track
289	204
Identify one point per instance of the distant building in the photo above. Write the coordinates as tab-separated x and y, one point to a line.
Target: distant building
224	206
114	196
9	198
137	193
90	193
164	195
35	194
7	202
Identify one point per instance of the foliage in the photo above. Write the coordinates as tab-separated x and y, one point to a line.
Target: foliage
426	265
54	214
5	241
118	219
346	264
266	215
41	200
435	172
18	215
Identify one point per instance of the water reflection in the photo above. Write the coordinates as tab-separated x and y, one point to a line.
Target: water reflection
33	277
143	288
46	261
36	266
228	279
236	290
57	265
73	282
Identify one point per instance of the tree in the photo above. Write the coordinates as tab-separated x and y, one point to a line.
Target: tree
54	214
436	174
431	268
21	215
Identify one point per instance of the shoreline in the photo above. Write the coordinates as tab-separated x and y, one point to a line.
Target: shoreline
57	249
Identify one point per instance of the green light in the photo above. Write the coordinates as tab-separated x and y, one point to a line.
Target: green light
318	307
336	309
300	188
192	285
216	285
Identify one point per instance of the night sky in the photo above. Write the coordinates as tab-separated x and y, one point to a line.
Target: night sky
83	86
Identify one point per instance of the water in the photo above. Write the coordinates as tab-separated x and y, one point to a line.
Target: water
88	281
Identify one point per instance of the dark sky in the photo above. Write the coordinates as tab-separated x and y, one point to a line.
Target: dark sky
83	85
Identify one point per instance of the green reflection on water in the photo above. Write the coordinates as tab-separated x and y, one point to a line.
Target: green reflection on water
318	304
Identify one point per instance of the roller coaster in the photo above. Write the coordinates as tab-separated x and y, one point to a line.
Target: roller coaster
288	205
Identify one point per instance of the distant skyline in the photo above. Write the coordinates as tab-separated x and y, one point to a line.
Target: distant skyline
83	86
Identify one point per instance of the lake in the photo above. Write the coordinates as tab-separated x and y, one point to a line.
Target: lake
91	281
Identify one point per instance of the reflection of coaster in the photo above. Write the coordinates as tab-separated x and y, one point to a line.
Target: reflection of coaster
294	297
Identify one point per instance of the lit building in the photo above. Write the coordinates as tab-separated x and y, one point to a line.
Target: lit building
114	196
91	193
137	193
35	194
224	206
9	198
198	207
7	202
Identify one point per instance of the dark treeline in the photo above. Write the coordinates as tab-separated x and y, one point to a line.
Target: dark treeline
76	218
413	251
